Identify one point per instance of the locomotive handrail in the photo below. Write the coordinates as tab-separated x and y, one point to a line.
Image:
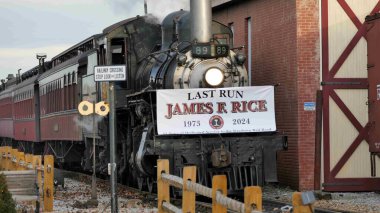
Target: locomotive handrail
237	48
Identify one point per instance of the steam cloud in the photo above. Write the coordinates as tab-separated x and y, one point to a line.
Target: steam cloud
86	121
161	8
158	8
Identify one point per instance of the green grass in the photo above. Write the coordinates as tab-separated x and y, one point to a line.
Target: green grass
7	204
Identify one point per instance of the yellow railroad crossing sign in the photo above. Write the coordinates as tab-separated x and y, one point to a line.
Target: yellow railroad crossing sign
102	108
86	108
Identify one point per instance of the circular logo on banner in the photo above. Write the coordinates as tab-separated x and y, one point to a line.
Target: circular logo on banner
216	122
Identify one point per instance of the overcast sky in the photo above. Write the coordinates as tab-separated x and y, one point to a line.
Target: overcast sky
51	26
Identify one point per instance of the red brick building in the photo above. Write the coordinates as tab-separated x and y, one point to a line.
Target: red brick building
304	46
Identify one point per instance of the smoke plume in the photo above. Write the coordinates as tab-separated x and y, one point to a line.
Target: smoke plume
161	8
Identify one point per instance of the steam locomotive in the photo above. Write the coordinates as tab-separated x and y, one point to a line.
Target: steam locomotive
39	112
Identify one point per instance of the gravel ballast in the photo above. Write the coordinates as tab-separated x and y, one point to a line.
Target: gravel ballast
76	197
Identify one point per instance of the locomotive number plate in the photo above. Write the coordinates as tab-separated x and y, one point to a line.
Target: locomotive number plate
209	51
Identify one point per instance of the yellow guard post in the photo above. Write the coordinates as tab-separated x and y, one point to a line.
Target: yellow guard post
219	183
163	192
48	183
188	199
2	159
253	198
298	206
21	161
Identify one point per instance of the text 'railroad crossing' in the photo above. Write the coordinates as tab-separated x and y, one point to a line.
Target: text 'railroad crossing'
110	73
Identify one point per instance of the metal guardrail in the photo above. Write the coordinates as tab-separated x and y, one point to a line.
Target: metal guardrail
13	160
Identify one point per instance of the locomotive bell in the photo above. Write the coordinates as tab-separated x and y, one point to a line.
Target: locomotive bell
201	20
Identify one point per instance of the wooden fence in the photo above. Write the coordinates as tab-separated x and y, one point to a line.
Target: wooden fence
18	163
218	193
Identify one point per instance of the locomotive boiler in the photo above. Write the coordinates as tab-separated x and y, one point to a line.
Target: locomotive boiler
186	51
195	52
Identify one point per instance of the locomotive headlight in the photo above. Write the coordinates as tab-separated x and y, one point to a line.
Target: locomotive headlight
214	77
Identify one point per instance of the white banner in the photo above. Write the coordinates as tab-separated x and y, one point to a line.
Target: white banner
210	111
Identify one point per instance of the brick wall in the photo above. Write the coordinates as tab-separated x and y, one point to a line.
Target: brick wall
308	54
285	51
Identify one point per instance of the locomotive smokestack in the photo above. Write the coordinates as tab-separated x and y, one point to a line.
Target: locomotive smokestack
200	20
19	80
3	83
145	7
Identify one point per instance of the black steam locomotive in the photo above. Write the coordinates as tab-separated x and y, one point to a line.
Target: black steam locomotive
187	50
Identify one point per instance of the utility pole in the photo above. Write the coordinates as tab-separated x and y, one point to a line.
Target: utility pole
87	108
110	74
114	203
41	59
94	196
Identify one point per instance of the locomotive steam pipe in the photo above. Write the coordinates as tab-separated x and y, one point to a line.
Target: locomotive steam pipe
201	20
